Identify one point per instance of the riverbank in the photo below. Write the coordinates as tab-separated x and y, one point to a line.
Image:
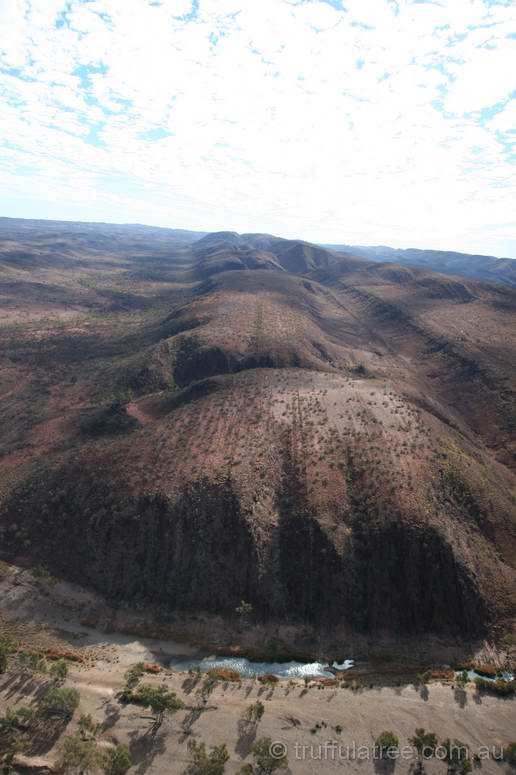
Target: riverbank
323	723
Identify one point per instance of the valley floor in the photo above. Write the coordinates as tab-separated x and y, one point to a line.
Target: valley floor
322	728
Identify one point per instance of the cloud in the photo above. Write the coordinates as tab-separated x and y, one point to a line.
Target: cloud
359	122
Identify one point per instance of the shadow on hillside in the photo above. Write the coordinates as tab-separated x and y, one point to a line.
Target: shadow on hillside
246	737
144	748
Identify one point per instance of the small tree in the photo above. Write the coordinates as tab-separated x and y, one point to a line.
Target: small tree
425	744
254	712
59	672
268	756
60	701
30	664
204	763
133	675
132	679
16	720
386	745
78	755
462	678
88	727
160	700
117	760
17	745
457	757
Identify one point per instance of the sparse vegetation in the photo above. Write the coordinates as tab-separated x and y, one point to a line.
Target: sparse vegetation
457	757
160	700
77	755
425	744
206	762
7	647
268	759
116	760
509	754
254	712
386	745
500	687
60	701
58	671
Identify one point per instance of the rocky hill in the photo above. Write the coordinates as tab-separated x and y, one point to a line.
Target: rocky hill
188	424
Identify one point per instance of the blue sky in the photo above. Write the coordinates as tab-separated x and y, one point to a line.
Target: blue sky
359	121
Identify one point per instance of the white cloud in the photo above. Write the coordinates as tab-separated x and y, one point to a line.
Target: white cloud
282	115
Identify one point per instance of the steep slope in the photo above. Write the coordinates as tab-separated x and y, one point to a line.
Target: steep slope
332	440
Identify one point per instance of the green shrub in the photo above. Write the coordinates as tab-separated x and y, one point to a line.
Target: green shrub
204	763
117	760
425	743
60	701
457	757
268	761
509	754
502	688
78	755
386	745
254	712
88	727
31	663
16	720
59	671
7	647
159	699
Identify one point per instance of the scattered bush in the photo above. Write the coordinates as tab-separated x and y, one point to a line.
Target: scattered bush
509	754
204	763
502	688
7	647
132	679
60	701
457	757
386	745
78	755
30	663
425	743
16	720
159	699
254	712
59	672
463	678
88	727
267	758
117	760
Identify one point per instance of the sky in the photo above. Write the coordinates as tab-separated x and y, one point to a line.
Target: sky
338	121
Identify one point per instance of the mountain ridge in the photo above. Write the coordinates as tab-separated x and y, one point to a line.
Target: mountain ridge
191	424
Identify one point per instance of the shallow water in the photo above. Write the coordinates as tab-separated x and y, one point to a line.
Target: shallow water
249	669
472	674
